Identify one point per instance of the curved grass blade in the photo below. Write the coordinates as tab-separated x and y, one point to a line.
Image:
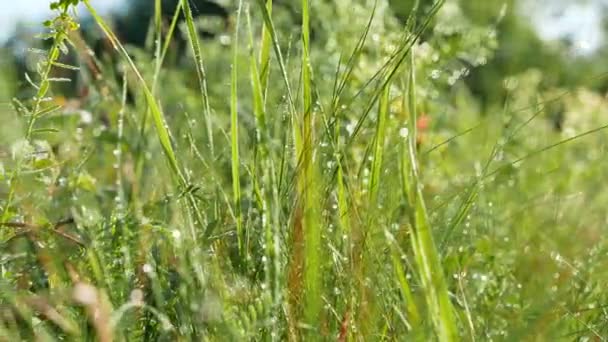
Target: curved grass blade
157	115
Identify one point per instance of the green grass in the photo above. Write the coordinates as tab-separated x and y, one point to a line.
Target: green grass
283	183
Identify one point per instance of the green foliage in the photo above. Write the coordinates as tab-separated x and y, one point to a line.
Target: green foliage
336	170
63	5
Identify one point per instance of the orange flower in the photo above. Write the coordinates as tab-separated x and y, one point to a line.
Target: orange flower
423	122
422	125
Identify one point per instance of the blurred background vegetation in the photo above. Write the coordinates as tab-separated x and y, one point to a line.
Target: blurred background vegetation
513	45
512	155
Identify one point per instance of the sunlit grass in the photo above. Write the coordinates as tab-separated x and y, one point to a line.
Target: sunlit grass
308	176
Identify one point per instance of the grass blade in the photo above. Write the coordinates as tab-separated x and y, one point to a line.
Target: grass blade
157	115
234	137
194	39
425	251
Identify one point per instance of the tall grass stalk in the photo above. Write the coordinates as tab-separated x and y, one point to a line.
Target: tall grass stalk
234	140
270	29
161	49
378	147
159	122
265	51
428	260
194	39
157	115
308	182
265	181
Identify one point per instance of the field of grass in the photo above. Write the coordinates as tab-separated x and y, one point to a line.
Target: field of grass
330	178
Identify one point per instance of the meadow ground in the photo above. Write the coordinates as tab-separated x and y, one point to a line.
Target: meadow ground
329	177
